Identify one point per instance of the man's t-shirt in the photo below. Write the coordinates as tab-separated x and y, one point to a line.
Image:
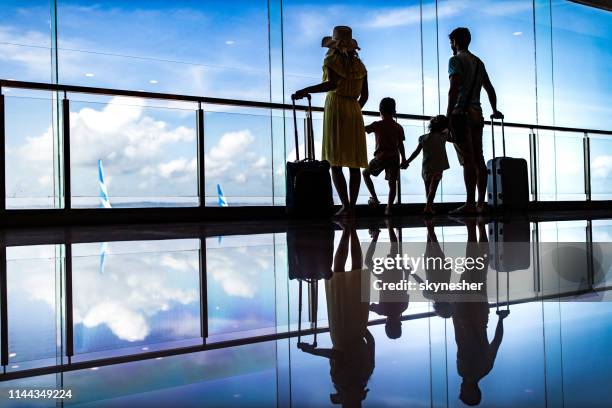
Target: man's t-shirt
389	134
472	74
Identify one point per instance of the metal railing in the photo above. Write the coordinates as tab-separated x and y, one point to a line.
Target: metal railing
63	90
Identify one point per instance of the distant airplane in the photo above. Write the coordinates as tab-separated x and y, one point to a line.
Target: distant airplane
104	203
222	203
222	200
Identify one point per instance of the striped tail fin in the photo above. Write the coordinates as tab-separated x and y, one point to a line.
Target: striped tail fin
222	200
104	201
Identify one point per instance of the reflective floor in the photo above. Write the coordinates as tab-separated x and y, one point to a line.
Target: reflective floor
226	315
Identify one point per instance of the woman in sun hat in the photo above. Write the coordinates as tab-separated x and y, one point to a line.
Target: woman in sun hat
346	84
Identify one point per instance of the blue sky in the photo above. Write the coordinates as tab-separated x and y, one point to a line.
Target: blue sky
221	49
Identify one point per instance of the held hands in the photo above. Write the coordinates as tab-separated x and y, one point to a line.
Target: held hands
404	164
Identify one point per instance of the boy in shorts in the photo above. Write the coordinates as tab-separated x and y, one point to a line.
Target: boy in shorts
435	160
389	148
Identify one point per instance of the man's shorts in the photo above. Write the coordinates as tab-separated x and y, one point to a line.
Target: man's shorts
390	166
468	133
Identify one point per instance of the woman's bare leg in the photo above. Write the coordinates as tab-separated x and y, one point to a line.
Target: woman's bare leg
343	249
340	185
354	183
356	254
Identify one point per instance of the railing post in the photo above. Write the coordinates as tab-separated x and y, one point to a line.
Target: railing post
586	148
201	163
4	346
203	292
533	164
2	155
535	243
66	151
68	292
589	251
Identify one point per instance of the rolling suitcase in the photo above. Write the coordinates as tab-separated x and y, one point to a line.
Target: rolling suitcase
507	181
308	182
310	252
509	245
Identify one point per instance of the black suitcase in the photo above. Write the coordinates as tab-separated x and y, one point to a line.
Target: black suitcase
507	181
509	245
308	182
310	252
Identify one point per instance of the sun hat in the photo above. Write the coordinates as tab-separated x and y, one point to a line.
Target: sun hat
342	39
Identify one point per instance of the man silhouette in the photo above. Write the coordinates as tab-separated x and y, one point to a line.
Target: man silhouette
475	354
467	75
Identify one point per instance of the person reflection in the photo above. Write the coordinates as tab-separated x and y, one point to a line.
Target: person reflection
391	304
435	273
475	355
351	357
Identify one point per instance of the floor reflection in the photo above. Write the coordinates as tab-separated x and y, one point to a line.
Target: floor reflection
280	318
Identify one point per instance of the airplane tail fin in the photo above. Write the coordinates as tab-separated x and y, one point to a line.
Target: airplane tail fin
104	201
222	200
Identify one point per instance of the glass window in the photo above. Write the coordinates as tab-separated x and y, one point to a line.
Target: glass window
144	156
135	294
207	47
561	175
238	158
32	281
582	62
25	40
389	39
502	36
241	285
601	167
30	179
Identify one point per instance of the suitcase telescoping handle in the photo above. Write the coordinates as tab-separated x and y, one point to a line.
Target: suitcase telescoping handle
314	300
309	132
493	135
497	311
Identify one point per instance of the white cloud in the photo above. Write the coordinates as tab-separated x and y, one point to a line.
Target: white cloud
180	264
260	163
234	153
601	166
403	16
125	137
124	322
126	297
120	132
238	270
176	167
29	49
